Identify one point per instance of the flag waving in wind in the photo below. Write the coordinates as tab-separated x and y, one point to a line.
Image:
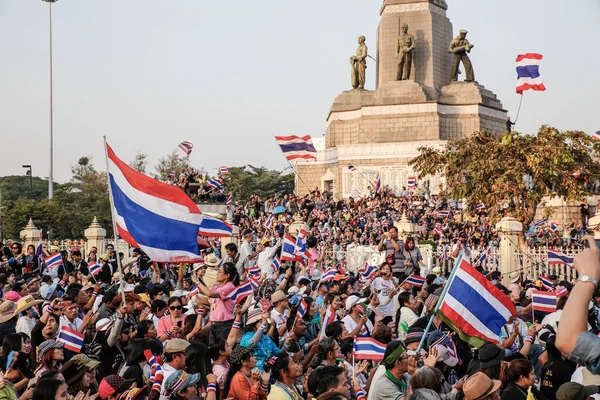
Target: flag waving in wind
528	72
186	147
154	216
294	147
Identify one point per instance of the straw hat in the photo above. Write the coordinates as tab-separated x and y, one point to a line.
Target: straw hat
479	385
211	260
8	309
26	303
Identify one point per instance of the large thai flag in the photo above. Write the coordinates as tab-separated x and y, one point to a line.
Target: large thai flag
72	339
214	227
558	258
241	292
288	249
154	216
294	147
54	261
367	348
475	306
528	72
543	301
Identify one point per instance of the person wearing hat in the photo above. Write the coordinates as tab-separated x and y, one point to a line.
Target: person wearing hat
105	274
76	374
280	312
576	391
266	252
488	361
480	387
183	386
237	385
112	386
174	357
356	321
8	318
461	248
26	322
259	330
50	355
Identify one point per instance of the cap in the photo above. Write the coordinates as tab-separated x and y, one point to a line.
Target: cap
47	345
113	384
575	391
179	380
173	346
479	386
277	296
254	315
353	300
85	360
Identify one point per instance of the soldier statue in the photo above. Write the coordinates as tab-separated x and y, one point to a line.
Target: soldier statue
404	49
359	64
460	46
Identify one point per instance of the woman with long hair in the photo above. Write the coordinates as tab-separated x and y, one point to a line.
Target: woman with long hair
14	361
312	328
171	326
413	259
518	377
244	381
77	376
386	290
49	389
51	355
327	353
135	362
556	371
197	361
405	316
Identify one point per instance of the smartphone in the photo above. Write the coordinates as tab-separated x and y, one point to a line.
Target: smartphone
179	324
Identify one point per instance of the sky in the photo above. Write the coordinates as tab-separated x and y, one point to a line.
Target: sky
229	75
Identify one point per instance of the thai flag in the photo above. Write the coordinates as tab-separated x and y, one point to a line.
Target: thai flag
553	226
539	223
558	258
214	227
443	213
596	135
39	250
368	272
367	348
186	147
412	181
294	147
253	270
561	291
154	216
475	306
269	222
351	167
329	318
378	183
54	261
300	249
254	282
193	293
173	173
95	269
72	339
438	230
546	283
230	199
302	309
241	292
213	184
416	280
484	256
288	248
528	72
446	341
276	264
224	170
328	275
543	301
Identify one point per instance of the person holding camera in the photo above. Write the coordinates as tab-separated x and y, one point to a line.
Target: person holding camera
461	248
394	251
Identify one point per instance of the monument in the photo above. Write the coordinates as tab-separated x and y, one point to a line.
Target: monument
415	103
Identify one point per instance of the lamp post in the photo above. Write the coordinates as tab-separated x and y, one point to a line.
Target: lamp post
30	175
51	180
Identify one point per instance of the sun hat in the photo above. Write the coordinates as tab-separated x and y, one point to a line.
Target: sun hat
173	346
8	309
26	303
515	276
479	386
237	353
211	260
73	370
112	385
490	355
254	315
48	345
278	296
179	380
104	257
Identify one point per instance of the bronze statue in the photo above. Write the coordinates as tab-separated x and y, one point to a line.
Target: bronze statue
460	46
404	48
359	64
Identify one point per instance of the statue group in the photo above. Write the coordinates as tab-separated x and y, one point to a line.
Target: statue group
405	46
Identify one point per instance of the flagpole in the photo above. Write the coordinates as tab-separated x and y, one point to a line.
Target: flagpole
439	302
114	223
520	102
364	176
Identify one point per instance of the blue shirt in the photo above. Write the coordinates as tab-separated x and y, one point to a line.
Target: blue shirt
264	349
587	352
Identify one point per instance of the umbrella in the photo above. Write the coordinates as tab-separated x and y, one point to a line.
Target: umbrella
279	210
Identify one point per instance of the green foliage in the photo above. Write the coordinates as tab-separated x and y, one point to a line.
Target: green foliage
430	242
140	162
491	170
248	180
171	162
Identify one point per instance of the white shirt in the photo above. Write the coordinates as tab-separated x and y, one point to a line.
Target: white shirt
384	288
465	251
75	325
278	318
25	325
350	324
265	258
167	370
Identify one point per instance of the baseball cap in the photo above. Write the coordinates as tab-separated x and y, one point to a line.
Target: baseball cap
575	391
113	384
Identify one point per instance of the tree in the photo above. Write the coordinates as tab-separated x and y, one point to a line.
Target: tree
514	172
140	162
171	162
248	180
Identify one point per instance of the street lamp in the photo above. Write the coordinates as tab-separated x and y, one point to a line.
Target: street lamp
30	175
50	180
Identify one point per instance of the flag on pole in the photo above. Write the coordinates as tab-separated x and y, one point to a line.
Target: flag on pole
329	318
302	309
328	275
561	291
543	301
596	135
553	226
294	147
539	223
412	181
367	348
53	261
241	292
276	264
213	183
443	213
416	280
186	147
173	173
484	256
368	272
224	170
557	258
39	250
157	217
254	282
269	222
475	306
72	339
94	268
214	227
351	167
253	270
546	283
528	72
300	250
288	248
230	199
378	183
193	293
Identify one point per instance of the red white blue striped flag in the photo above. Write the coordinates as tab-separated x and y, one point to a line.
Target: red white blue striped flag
543	301
54	261
367	348
416	280
72	339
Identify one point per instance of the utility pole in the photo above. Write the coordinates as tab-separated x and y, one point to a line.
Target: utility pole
51	174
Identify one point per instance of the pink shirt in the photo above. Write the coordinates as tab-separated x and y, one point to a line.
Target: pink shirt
221	308
313	255
165	324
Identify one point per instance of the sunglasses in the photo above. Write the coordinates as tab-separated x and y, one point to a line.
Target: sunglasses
15	248
175	307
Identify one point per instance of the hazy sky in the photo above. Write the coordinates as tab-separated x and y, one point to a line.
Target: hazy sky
229	75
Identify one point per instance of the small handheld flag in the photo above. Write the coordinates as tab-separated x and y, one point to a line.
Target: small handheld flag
230	199
288	248
173	173
367	348
546	283
558	258
213	183
269	222
94	269
54	261
276	264
412	181
224	170
416	280
351	167
378	183
72	339
543	301
253	270
241	292
302	309
186	147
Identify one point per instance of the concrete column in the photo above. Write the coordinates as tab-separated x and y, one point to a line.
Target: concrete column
235	236
405	228
30	235
96	237
510	229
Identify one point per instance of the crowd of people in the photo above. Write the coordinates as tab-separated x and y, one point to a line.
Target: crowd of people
76	329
